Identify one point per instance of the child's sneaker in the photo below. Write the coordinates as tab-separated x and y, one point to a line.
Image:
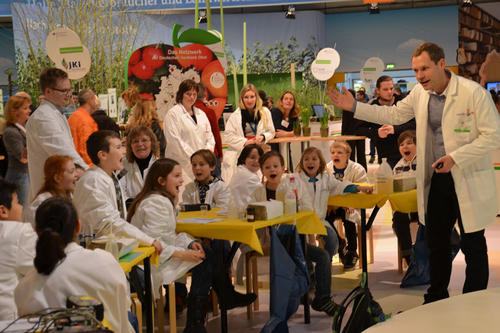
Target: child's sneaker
350	260
325	304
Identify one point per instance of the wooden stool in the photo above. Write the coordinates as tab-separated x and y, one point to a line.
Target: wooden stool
252	280
136	308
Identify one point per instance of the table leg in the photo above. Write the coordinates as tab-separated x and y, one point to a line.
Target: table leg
307	310
289	159
148	296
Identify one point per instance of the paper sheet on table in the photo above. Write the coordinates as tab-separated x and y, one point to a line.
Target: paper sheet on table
199	220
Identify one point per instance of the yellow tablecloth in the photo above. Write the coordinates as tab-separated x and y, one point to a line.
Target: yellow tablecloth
144	252
244	232
405	202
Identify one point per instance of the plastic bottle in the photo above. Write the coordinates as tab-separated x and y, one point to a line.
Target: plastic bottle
383	178
232	209
290	203
294	188
281	191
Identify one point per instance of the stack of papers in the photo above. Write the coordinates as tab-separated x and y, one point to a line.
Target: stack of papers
199	220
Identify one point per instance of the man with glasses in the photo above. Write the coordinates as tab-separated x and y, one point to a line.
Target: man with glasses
47	131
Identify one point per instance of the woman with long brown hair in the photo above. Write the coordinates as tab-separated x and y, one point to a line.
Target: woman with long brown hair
145	115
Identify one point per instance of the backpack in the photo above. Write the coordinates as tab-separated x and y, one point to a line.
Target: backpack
365	311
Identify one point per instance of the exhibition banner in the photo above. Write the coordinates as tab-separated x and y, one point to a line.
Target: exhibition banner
137	5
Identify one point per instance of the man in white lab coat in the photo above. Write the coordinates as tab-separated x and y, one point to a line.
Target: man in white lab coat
47	130
457	128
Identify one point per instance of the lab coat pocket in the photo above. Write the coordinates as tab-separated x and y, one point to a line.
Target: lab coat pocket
480	185
462	131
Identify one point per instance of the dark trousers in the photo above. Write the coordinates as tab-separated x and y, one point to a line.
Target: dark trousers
358	152
205	273
322	270
401	227
351	233
442	213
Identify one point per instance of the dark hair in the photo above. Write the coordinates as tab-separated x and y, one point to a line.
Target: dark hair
134	133
246	151
99	141
361	92
381	79
408	134
262	95
435	51
84	95
7	190
50	76
207	155
353	93
160	168
185	86
313	150
268	155
294	113
56	223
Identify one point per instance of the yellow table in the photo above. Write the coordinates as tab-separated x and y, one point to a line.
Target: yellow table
405	202
146	256
245	232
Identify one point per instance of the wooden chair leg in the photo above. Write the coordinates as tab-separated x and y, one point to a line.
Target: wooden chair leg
171	308
248	283
160	316
400	261
370	244
360	247
255	282
136	308
215	303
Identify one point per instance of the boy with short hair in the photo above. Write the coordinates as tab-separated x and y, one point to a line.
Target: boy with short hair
345	169
407	143
17	248
98	196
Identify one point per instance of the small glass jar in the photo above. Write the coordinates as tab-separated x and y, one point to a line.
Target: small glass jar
250	214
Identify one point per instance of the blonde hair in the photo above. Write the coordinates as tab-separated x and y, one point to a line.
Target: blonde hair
259	107
312	150
341	144
131	95
145	113
13	104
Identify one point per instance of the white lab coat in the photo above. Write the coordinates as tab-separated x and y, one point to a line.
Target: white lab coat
218	194
243	185
47	134
94	273
17	250
30	211
354	173
235	139
155	216
326	186
95	201
133	181
184	136
473	172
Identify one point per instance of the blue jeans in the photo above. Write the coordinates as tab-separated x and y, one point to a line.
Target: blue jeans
217	170
22	180
331	241
132	319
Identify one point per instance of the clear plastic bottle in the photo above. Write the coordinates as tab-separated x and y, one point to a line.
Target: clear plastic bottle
294	188
383	178
232	209
290	203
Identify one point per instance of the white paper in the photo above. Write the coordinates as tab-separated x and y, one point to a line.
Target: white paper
199	220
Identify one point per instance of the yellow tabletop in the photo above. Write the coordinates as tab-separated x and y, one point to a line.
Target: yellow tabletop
404	202
137	256
244	232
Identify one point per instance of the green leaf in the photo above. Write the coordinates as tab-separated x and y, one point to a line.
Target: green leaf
198	36
175	33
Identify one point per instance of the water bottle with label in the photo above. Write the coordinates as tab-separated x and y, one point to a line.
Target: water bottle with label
290	203
383	178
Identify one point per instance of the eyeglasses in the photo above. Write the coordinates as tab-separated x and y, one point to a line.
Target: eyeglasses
64	91
144	141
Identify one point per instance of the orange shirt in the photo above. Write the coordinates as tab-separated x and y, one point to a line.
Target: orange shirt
82	125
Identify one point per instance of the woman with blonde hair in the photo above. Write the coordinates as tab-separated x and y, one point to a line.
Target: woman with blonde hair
17	112
131	98
251	123
145	115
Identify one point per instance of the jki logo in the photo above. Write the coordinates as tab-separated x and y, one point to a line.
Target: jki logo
71	64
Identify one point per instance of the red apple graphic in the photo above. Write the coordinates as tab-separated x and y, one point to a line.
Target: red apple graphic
153	57
214	79
196	55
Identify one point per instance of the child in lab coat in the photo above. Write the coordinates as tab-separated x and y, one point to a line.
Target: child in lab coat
98	194
247	177
59	179
315	185
342	168
206	188
63	268
17	248
153	212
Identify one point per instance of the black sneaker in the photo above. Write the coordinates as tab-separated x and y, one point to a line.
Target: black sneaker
372	159
325	304
350	260
342	249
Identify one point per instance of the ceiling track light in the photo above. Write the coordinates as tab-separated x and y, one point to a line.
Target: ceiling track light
290	13
374	8
467	3
202	14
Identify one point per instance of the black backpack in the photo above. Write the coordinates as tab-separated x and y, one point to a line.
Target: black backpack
365	311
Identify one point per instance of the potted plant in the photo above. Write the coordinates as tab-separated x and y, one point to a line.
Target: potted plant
305	117
324	129
296	127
